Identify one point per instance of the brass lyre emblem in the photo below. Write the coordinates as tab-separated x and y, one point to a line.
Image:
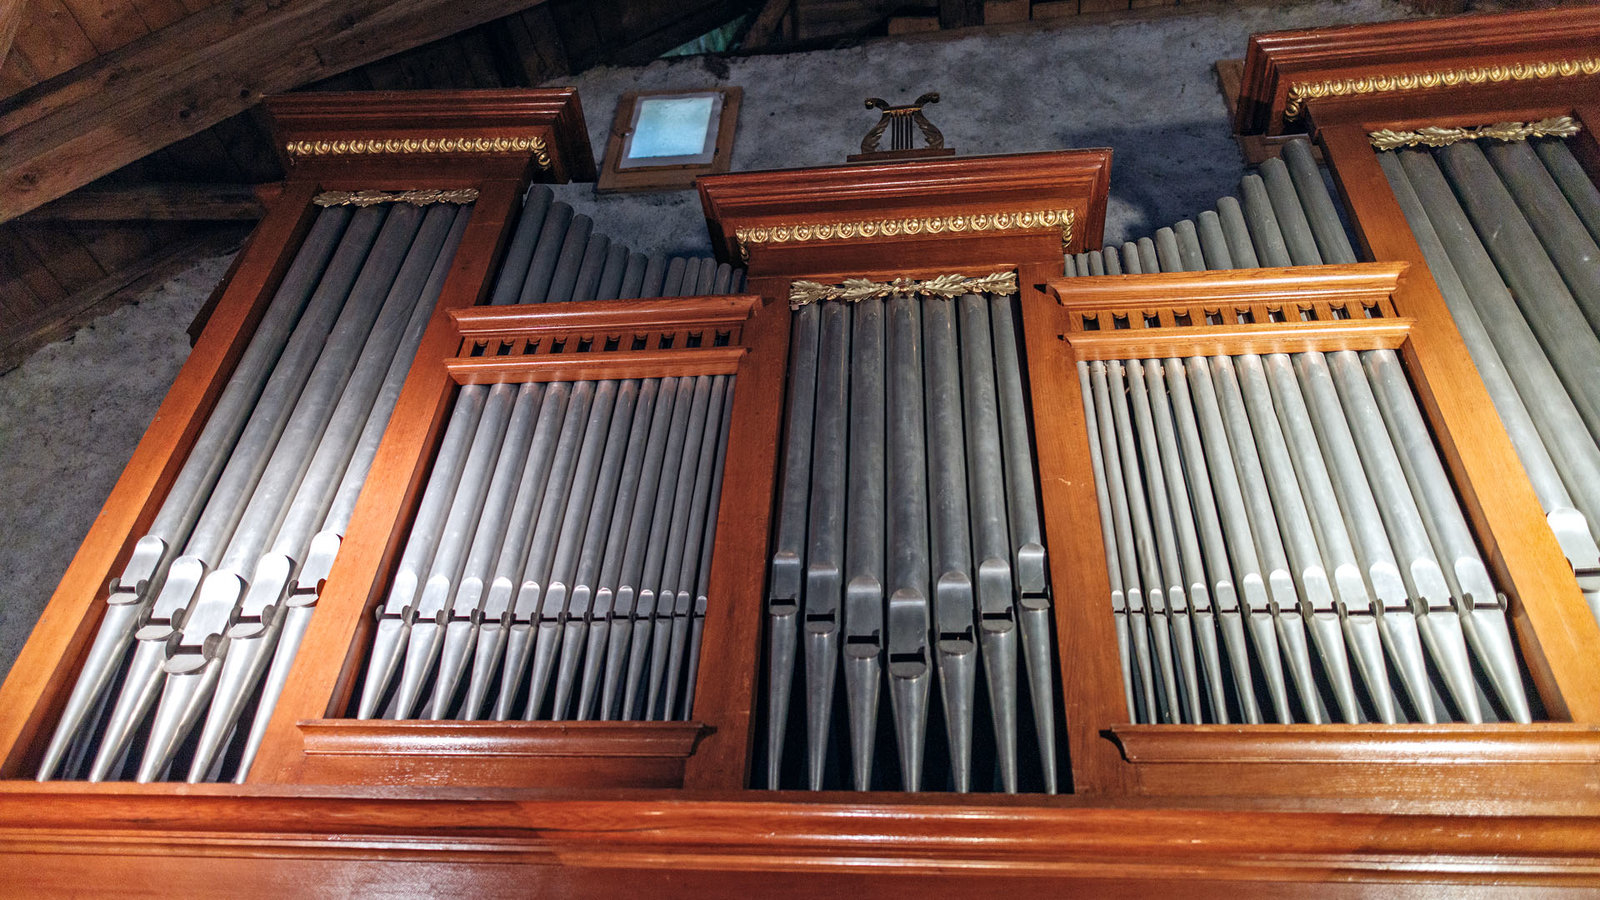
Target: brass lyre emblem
898	122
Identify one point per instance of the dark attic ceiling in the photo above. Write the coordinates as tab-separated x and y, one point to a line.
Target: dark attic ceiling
132	140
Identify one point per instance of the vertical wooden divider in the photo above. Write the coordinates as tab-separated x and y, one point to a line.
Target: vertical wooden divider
1556	631
335	641
47	668
1091	674
735	612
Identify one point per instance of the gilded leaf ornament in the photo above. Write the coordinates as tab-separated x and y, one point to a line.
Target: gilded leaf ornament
854	290
1435	136
373	198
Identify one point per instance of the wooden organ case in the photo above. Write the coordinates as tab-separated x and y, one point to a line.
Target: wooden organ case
1161	783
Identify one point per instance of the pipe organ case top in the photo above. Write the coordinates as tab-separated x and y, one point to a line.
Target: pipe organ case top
915	536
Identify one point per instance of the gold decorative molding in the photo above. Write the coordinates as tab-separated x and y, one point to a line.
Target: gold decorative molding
1412	81
373	198
1435	136
930	225
854	290
362	146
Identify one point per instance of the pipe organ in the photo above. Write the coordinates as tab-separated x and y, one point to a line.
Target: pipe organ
473	548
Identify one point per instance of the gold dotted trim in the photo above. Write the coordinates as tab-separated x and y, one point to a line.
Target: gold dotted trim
932	225
1383	84
361	147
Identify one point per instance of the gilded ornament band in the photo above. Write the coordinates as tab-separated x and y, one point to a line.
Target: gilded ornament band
364	146
854	290
373	198
1383	84
1435	136
931	225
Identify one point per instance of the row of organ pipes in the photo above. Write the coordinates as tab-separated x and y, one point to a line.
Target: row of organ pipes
558	564
200	629
1283	541
908	552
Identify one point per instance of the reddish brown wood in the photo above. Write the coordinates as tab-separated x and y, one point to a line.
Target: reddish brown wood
926	189
1217	340
1277	61
1091	672
517	754
592	366
607	317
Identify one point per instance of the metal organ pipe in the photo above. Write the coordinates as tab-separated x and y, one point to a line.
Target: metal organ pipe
1303	495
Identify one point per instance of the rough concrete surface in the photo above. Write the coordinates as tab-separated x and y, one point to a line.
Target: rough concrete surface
71	415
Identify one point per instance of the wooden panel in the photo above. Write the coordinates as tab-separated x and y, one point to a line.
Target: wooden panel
50	39
1218	340
516	754
593	366
108	24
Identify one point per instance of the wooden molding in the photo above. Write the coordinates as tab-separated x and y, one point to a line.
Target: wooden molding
928	193
327	133
1280	64
532	322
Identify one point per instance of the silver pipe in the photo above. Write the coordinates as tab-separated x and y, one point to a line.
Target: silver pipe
1201	634
1145	708
552	236
1563	332
573	250
1027	537
1108	537
1576	184
1222	594
910	666
1419	566
952	533
644	650
551	564
1184	688
432	608
690	604
557	606
1568	244
294	614
864	530
824	584
788	555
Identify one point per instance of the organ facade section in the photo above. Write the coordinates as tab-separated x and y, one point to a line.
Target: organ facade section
917	535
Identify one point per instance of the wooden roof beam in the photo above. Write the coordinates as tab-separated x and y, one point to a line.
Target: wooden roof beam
184	78
156	203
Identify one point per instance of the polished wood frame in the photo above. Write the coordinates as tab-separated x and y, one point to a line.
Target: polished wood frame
678	177
1207	810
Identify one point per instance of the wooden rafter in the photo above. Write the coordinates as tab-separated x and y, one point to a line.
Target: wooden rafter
155	203
182	79
10	20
